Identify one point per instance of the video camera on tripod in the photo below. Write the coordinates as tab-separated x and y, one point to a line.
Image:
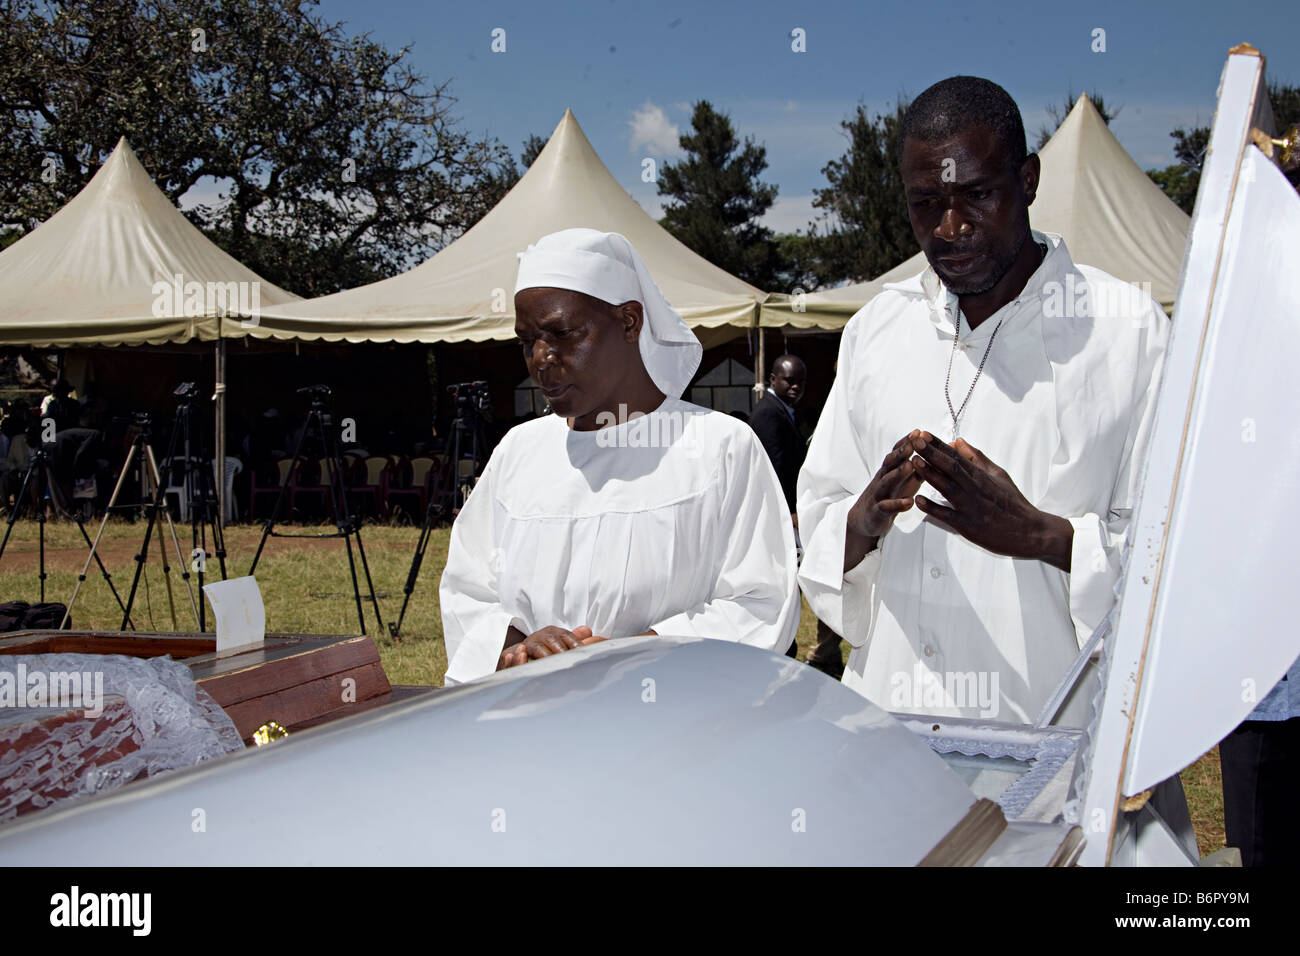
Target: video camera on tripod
138	419
321	396
473	403
185	470
319	435
472	397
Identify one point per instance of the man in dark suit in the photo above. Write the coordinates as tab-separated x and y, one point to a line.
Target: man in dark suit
773	420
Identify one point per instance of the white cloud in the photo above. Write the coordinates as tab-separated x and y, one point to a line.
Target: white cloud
790	214
653	131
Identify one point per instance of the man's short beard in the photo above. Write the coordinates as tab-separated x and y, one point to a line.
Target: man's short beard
1003	269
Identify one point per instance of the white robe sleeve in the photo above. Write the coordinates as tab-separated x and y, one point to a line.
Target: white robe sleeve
474	623
833	476
755	597
1099	540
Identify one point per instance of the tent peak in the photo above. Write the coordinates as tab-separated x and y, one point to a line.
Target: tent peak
104	269
458	294
121	153
1084	105
567	121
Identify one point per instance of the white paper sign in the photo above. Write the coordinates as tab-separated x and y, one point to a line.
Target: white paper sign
241	618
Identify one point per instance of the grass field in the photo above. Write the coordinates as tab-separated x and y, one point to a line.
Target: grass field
307	588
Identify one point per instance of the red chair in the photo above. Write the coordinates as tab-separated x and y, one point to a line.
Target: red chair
424	470
258	485
373	477
311	477
455	476
413	479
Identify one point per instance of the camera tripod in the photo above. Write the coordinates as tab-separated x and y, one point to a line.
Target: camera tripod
198	493
38	476
154	491
468	419
319	428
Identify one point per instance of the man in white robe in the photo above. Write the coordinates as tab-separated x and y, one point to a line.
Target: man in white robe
973	597
669	522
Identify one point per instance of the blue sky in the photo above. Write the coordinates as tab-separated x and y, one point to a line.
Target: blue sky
630	71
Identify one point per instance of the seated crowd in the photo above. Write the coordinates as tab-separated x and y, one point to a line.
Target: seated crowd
84	442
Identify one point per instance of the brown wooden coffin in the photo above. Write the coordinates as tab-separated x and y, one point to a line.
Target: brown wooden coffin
296	680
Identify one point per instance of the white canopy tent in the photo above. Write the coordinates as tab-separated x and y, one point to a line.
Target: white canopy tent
1092	193
120	265
465	292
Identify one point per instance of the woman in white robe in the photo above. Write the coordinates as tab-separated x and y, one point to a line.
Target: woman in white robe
627	511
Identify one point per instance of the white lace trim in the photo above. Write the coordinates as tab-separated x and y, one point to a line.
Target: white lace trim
1045	754
173	721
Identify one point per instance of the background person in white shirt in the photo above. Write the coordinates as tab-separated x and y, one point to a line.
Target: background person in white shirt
968	571
627	511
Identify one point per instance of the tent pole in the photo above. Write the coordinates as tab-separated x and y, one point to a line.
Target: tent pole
759	365
219	443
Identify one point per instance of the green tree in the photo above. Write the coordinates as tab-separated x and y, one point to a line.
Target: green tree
533	147
503	178
1059	113
717	199
333	162
864	229
800	254
1179	183
1190	146
1181	180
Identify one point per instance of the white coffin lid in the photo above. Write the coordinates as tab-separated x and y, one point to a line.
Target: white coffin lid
1205	625
637	751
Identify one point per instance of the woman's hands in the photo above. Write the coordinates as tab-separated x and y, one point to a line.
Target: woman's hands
521	648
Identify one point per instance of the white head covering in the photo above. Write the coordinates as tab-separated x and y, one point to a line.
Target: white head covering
604	265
